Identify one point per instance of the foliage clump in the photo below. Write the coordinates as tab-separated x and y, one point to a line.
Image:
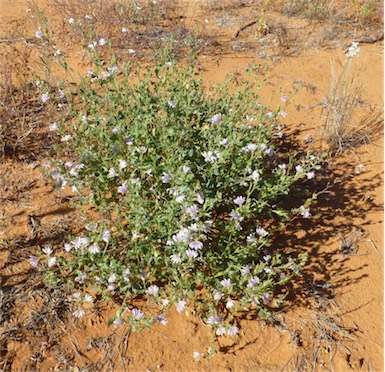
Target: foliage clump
189	186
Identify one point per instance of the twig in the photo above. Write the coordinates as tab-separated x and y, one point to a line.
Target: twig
244	27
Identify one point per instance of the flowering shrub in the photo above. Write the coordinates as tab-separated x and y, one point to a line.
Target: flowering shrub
189	186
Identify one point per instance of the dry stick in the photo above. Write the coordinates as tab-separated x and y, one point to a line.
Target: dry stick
244	27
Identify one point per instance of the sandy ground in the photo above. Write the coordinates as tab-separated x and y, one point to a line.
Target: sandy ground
338	311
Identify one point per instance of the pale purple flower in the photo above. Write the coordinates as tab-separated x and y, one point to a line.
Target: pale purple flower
186	169
191	253
251	147
123	189
39	34
220	331
53	127
192	210
254	281
94	249
90	71
282	113
180	306
269	114
215	119
182	236
79	313
232	331
283	97
118	322
245	270
106	236
215	320
161	319
165	177
33	261
239	200
152	290
196	244
235	216
81	278
45	97
171	104
81	242
310	175
224	142
143	275
226	283
137	314
266	297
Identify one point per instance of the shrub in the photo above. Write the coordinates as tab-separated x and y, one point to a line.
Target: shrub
188	185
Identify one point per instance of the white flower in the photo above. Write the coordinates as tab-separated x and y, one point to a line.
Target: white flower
66	138
305	212
353	50
80	313
112	279
200	197
230	303
197	355
88	17
165	177
53	127
94	249
131	51
298	169
88	298
217	295
123	189
102	42
226	283
209	156
67	247
71	21
124	30
112	173
310	175
122	164
175	258
180	306
51	261
106	236
251	239
232	331
255	175
47	250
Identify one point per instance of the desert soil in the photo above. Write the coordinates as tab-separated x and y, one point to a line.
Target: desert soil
333	320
